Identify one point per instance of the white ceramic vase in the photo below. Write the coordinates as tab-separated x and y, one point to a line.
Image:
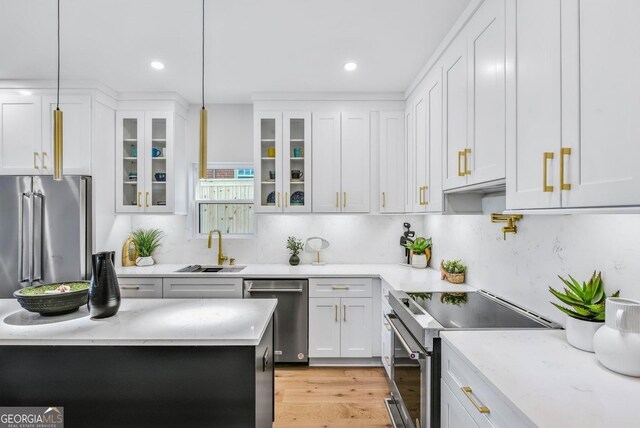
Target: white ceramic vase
419	261
145	261
617	344
580	333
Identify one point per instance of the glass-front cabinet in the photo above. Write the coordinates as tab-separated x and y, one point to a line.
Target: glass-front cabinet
144	162
283	167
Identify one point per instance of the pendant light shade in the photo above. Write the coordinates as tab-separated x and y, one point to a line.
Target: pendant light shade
203	118
57	121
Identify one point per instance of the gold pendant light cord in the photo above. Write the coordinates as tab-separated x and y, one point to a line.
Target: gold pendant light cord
202	53
202	164
58	91
57	119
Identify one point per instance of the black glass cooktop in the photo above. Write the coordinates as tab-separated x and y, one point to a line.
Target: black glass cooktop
472	310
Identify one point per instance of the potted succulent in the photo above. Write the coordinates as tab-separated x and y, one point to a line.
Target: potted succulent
420	251
146	242
585	314
453	271
295	246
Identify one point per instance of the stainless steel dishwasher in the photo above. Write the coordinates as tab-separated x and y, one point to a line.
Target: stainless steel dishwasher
291	319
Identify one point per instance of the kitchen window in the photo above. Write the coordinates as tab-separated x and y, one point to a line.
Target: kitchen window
224	200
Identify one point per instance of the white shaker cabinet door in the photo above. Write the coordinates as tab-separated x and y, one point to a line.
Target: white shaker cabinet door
20	135
601	102
452	413
356	162
355	333
432	193
325	161
534	130
324	327
421	152
392	158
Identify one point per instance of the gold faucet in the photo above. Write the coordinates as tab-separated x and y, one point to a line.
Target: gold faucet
221	257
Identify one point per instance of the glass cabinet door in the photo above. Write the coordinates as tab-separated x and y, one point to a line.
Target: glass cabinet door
268	130
130	162
159	170
296	162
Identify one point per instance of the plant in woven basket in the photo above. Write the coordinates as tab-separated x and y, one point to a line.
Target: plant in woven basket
454	266
146	241
586	301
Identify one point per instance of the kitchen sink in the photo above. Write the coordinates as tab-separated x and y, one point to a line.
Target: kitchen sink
210	269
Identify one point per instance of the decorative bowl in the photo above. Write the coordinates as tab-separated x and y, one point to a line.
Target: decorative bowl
271	198
297	198
160	176
52	304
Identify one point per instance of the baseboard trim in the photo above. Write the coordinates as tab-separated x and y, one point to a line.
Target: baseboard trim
345	362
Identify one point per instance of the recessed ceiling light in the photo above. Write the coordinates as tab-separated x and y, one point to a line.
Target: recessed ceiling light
157	65
350	66
25	92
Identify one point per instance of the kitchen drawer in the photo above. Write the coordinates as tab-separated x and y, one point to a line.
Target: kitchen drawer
384	297
144	288
458	374
181	288
386	346
340	287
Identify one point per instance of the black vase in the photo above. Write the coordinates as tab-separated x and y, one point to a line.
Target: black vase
294	260
104	292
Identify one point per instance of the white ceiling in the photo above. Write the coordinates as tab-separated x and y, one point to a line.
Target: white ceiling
252	45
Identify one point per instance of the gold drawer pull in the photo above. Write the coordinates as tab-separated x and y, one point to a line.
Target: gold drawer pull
467	171
468	392
286	199
36	157
335	307
545	172
139	194
130	287
278	199
44	162
337	202
344	202
339	287
565	151
384	200
345	312
146	199
460	156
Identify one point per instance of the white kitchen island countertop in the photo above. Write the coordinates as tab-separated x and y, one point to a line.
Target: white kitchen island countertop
400	277
158	322
551	383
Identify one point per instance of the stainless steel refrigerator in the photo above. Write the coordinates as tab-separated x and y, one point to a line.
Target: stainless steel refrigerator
45	231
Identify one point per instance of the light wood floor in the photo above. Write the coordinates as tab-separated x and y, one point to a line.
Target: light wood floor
331	397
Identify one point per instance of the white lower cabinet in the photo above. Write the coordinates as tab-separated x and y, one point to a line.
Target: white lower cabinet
385	337
142	288
221	288
452	413
340	327
477	397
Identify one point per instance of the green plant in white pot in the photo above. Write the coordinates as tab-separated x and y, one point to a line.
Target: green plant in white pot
586	311
420	250
146	242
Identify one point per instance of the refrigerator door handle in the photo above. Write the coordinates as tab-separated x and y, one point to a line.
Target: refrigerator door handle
40	230
21	197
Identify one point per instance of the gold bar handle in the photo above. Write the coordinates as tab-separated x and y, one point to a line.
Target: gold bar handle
384	200
467	171
460	156
420	195
44	163
426	188
545	172
36	160
344	201
468	392
337	200
565	151
335	307
278	199
139	194
146	199
344	308
286	199
340	287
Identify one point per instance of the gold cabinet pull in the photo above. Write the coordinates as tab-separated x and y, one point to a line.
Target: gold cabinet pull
335	308
278	199
44	163
139	194
468	392
146	199
344	308
384	200
420	195
460	156
425	195
545	172
344	201
286	199
337	200
340	287
36	162
467	171
565	151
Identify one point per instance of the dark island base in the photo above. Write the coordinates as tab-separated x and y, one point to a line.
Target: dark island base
144	386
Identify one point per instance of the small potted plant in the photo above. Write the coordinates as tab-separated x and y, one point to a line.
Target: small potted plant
420	251
146	242
453	271
295	246
585	314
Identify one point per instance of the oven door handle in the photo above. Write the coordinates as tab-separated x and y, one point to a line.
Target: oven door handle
414	355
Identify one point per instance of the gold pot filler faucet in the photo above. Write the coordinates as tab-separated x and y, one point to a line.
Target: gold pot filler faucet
221	257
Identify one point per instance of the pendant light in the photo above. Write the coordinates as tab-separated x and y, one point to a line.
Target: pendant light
57	120
203	117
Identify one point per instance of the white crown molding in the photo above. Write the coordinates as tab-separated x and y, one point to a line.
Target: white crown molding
328	96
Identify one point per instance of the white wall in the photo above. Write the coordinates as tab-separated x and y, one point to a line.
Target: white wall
522	268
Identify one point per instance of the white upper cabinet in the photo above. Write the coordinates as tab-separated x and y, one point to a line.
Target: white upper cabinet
409	164
601	103
26	134
573	101
392	162
534	128
341	162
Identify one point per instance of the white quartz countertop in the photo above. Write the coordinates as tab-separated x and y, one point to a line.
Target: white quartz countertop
399	277
551	383
170	322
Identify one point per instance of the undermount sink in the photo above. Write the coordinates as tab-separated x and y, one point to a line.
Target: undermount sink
210	269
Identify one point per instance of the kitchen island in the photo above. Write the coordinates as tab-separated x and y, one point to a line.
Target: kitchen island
178	362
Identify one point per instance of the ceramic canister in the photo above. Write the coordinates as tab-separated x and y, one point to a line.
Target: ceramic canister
617	344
